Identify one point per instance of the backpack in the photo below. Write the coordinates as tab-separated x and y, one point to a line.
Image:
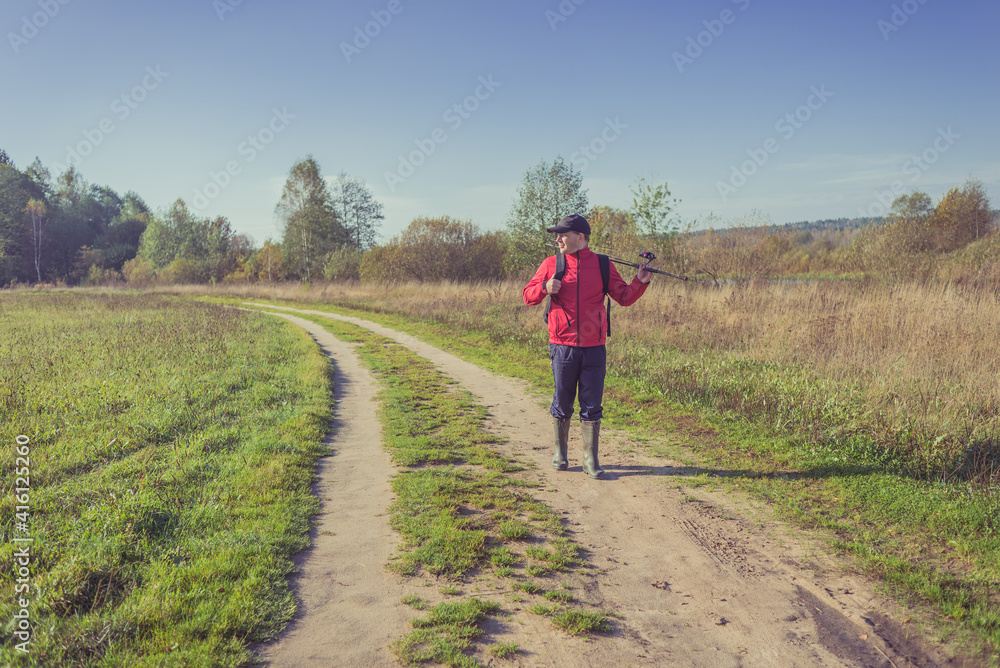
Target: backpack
605	265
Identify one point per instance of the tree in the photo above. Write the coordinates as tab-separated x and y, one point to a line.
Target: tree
120	241
548	192
309	224
901	246
70	187
612	229
357	209
184	247
79	215
269	260
343	264
170	235
40	176
962	216
98	208
16	190
651	205
133	206
36	212
219	250
915	206
906	227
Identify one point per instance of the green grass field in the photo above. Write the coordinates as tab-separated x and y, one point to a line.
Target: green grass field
172	447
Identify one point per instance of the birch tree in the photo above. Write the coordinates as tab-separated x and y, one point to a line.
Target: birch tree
359	212
310	226
548	192
36	212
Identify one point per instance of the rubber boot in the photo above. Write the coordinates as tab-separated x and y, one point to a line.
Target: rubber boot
591	438
559	459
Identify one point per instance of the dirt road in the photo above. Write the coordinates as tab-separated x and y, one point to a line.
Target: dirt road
698	578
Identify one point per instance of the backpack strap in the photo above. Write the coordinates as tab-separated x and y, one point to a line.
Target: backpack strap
560	272
605	263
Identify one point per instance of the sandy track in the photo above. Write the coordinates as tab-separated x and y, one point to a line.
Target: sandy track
349	605
700	581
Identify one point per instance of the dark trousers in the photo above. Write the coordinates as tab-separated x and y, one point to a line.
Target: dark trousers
573	369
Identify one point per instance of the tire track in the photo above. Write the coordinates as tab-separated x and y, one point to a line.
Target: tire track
349	606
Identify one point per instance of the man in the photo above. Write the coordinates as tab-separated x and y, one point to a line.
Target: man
577	332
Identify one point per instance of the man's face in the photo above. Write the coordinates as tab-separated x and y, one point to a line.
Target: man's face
570	242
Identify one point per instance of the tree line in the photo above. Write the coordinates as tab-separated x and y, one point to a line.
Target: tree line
64	230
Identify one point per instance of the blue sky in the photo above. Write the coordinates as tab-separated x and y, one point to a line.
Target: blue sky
780	110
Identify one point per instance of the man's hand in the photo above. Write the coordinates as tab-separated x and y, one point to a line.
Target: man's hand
643	275
552	286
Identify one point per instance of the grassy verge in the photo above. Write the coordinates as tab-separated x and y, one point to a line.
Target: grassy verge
464	511
784	433
172	449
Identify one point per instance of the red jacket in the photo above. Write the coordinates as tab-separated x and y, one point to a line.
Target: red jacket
577	316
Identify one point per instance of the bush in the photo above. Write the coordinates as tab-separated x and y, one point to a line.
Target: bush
376	265
343	264
436	249
138	272
182	271
99	276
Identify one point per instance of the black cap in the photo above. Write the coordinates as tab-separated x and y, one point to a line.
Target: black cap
572	223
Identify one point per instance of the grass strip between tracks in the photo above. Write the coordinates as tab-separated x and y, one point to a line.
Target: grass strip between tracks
461	510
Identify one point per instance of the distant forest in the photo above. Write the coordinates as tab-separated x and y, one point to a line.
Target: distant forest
61	230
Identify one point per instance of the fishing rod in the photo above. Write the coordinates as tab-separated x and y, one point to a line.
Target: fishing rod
647	256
